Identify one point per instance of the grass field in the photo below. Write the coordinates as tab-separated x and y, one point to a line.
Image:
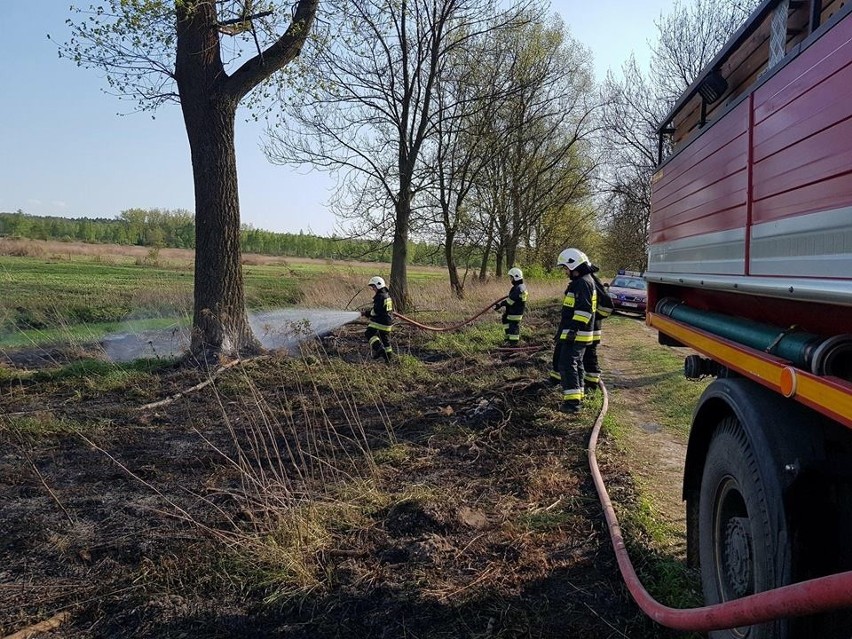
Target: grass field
438	488
56	290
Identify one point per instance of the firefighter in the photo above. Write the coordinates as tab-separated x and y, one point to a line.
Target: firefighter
591	366
576	326
514	306
381	320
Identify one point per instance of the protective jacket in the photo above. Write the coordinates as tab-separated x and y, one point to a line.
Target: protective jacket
381	315
604	306
516	302
579	307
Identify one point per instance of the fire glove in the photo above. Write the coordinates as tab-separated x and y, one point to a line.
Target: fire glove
569	336
499	305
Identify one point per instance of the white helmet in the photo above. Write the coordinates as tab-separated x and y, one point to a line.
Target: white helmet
378	282
572	258
515	273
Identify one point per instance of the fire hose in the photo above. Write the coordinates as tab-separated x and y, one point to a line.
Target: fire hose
452	327
803	598
508	349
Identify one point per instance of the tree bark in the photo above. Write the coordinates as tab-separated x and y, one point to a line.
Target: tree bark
220	323
511	252
498	258
209	98
486	252
399	259
483	265
452	269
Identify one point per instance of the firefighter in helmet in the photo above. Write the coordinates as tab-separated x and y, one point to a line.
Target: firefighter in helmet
514	305
576	327
591	366
381	320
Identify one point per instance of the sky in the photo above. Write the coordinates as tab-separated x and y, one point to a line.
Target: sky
69	149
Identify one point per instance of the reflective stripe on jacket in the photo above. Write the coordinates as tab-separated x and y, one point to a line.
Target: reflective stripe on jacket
516	301
381	315
605	306
578	309
604	309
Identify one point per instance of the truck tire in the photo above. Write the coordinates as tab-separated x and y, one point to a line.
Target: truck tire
740	551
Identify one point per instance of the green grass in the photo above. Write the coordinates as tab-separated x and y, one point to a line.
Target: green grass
113	375
667	578
83	333
45	294
49	300
478	338
40	294
671	395
39	424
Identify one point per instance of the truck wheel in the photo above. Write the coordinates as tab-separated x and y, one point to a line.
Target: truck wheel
739	549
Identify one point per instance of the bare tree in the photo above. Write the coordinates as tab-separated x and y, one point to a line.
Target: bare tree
689	37
368	105
468	97
631	115
545	125
158	51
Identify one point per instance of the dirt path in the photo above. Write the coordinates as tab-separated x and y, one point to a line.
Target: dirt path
655	455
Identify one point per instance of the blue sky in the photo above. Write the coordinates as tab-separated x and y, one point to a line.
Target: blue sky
67	151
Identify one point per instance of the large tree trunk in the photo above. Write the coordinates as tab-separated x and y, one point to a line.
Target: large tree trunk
483	265
220	324
498	258
399	259
511	253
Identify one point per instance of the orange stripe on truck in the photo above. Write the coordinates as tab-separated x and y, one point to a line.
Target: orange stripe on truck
831	396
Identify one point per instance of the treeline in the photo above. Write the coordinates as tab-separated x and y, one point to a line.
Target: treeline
176	229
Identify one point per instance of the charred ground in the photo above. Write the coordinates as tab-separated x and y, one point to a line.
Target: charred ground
316	496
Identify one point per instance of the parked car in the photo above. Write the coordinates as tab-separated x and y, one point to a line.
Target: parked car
629	292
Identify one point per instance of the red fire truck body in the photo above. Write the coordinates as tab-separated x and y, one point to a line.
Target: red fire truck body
750	265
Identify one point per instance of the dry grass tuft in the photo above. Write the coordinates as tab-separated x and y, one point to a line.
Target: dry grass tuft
99	253
436	295
345	289
339	288
21	248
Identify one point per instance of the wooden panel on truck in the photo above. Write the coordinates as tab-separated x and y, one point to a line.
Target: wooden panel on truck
802	164
699	202
829	8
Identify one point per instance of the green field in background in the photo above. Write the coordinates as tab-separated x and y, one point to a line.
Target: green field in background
48	295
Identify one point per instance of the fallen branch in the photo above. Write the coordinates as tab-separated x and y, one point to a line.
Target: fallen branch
49	489
526	350
43	626
206	382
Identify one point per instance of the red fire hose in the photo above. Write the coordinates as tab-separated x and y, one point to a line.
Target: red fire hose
803	598
452	327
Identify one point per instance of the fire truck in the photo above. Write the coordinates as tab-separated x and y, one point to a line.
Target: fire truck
750	266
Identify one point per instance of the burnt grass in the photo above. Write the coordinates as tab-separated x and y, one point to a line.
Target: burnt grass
439	496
